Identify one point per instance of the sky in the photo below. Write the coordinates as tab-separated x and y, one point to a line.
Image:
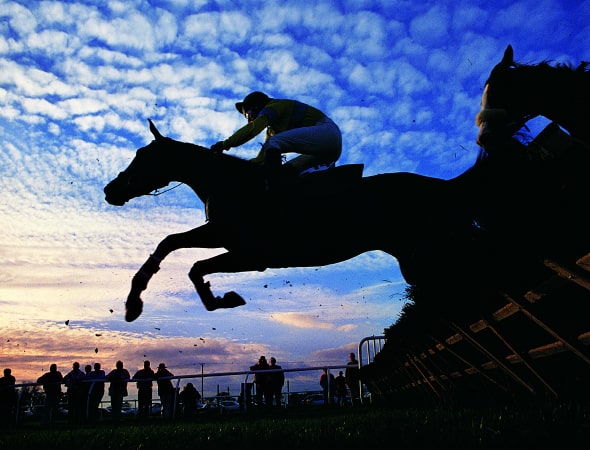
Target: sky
78	81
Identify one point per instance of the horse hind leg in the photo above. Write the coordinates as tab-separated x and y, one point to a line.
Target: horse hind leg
211	303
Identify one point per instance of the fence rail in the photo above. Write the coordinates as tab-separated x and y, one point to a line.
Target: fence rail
532	343
23	388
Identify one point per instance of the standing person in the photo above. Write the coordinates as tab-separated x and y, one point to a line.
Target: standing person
189	398
8	398
291	127
328	384
341	389
117	378
352	375
276	381
51	382
75	391
86	391
260	380
87	370
144	389
96	391
166	390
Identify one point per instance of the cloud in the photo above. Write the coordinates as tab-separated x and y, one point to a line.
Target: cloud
31	82
21	20
30	352
431	27
301	320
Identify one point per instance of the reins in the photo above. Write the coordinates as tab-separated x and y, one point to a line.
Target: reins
156	193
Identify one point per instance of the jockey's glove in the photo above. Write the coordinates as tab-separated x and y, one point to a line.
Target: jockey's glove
218	147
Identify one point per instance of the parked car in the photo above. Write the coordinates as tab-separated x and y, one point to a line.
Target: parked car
126	410
225	405
156	409
317	399
230	405
36	411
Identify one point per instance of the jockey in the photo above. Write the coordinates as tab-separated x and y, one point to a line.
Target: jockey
291	127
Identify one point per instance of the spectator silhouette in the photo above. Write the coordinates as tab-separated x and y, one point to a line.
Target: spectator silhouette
8	398
51	382
276	381
189	398
328	384
85	388
260	381
352	375
341	389
96	391
75	391
144	389
117	379
166	390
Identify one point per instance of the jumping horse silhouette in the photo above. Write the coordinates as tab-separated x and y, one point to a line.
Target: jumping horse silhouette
471	222
515	93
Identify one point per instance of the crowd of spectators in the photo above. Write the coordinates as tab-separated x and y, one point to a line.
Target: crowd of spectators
82	391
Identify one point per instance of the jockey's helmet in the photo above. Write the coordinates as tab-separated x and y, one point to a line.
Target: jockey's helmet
252	103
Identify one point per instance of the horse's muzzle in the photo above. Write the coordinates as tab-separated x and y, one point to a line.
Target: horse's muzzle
485	135
112	194
114	202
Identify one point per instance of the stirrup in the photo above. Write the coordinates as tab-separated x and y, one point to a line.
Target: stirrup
318	168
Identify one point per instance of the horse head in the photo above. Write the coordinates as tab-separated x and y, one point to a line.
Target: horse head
207	173
515	93
500	116
144	174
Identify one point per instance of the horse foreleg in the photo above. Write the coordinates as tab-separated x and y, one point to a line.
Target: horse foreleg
134	304
226	262
204	236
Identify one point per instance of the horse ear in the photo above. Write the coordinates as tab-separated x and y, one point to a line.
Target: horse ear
508	58
157	135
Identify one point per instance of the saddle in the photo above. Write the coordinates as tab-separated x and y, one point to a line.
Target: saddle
323	183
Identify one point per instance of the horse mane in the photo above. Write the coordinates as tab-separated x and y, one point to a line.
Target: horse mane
581	67
232	162
550	67
565	67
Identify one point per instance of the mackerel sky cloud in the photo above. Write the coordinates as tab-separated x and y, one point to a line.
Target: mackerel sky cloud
78	81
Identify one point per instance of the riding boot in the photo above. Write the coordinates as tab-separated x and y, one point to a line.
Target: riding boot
289	171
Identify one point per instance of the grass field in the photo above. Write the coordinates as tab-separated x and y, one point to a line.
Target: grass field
375	426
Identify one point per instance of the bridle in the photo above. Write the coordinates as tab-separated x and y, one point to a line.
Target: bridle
157	192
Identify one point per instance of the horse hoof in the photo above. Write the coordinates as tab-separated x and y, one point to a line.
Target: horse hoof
232	300
229	300
133	309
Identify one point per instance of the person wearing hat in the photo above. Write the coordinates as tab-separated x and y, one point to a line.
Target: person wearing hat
166	390
260	381
291	127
